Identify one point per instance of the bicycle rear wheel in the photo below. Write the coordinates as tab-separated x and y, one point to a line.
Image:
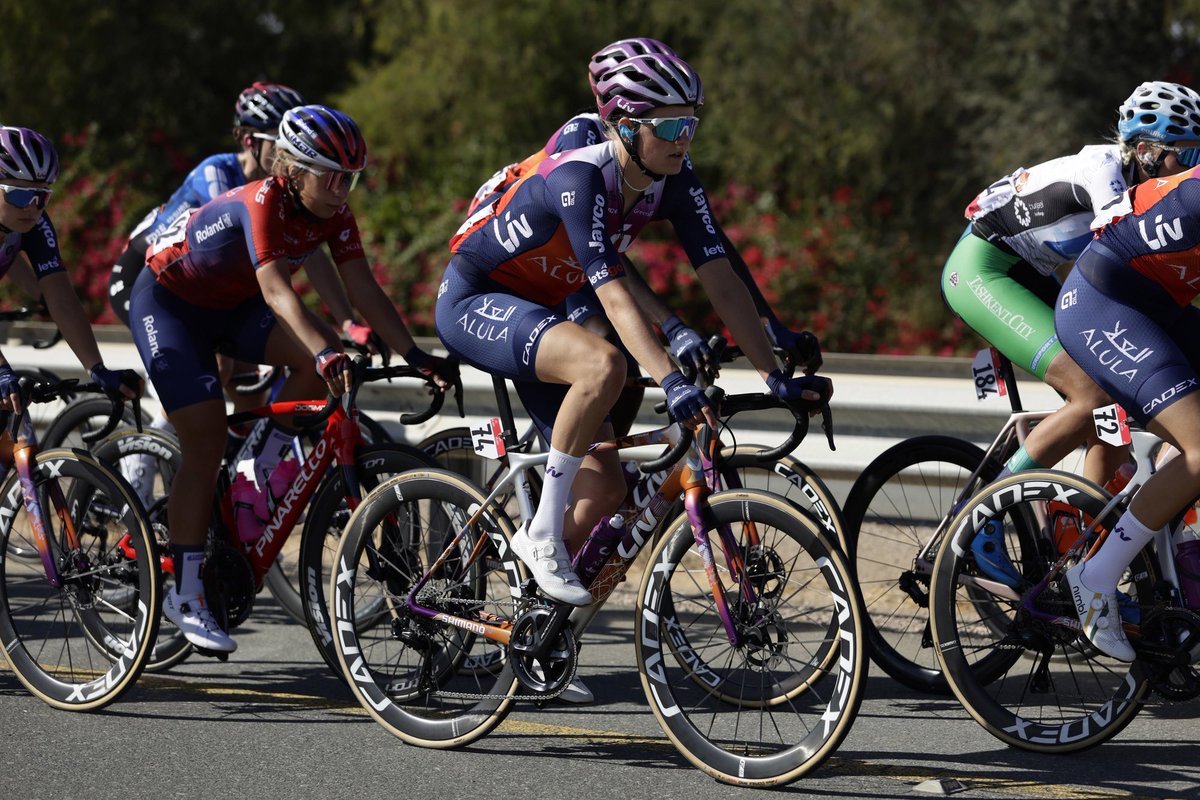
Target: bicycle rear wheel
1023	669
891	514
772	708
407	669
80	646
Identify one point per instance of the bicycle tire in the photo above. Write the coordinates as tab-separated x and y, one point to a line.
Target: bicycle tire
372	430
790	478
68	646
283	579
800	713
152	490
83	416
323	526
891	513
1055	693
389	667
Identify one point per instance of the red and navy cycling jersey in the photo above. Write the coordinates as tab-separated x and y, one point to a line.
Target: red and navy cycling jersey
561	225
40	245
209	257
1156	230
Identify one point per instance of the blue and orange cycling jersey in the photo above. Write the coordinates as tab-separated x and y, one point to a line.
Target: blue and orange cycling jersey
210	256
210	178
581	130
561	225
40	245
1156	230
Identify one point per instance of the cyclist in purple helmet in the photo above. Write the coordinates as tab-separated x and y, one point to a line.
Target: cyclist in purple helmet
29	253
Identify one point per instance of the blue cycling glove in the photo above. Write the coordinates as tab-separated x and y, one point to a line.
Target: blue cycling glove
8	381
791	390
689	348
684	400
803	348
111	380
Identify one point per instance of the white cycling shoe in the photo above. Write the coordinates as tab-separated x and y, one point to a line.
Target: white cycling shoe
551	568
1100	616
196	622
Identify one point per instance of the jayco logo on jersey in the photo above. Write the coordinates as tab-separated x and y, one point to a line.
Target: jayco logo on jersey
597	222
516	228
702	208
1173	229
1121	356
213	228
47	231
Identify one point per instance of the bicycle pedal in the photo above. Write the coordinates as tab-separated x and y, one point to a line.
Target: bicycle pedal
217	654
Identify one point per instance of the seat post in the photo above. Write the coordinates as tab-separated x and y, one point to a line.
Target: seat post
504	407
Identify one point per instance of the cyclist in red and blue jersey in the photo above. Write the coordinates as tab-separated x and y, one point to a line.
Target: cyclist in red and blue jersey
1125	315
219	280
562	227
256	117
29	254
690	349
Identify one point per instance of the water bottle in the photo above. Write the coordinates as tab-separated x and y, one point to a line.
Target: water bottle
1120	478
1187	561
1064	522
599	546
245	496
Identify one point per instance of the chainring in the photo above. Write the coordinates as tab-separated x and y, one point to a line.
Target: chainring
1178	630
547	677
229	585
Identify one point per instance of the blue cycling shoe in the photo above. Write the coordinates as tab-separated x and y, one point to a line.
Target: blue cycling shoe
991	556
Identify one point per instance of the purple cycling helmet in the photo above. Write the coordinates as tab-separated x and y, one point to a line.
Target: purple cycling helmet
643	83
323	137
621	51
262	105
27	155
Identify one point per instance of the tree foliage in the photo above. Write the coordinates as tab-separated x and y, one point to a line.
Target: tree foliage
849	136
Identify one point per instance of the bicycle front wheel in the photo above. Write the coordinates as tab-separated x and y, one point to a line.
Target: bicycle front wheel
773	706
412	672
892	515
78	646
1030	679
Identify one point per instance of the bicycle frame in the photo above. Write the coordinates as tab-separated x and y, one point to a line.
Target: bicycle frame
24	460
338	441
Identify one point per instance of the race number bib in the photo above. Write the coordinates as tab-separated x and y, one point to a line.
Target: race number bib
488	440
1111	425
985	370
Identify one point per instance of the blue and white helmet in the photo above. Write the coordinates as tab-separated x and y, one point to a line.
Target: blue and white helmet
323	137
1161	112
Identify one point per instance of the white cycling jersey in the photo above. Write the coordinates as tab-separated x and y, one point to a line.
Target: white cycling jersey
1045	214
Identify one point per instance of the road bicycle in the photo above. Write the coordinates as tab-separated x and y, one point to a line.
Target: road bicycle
748	625
79	587
337	469
897	513
1016	656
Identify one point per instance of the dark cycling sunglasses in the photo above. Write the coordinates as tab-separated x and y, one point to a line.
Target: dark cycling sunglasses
1187	156
671	129
24	197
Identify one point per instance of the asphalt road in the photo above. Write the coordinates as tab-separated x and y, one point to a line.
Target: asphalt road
273	723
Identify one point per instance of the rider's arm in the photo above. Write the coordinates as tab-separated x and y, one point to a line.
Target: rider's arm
329	288
275	281
736	308
650	303
637	335
378	311
67	312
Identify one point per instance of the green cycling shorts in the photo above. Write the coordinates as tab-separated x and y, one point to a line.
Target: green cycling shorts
1004	300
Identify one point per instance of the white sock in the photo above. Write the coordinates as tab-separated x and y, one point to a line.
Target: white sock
1104	569
561	469
161	423
188	565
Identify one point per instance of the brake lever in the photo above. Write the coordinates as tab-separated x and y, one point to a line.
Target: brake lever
827	424
458	398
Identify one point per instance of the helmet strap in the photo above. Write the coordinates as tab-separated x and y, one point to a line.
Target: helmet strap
631	148
1150	164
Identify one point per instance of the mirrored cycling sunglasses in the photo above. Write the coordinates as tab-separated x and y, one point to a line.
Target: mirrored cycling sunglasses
1187	156
24	197
671	129
335	179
